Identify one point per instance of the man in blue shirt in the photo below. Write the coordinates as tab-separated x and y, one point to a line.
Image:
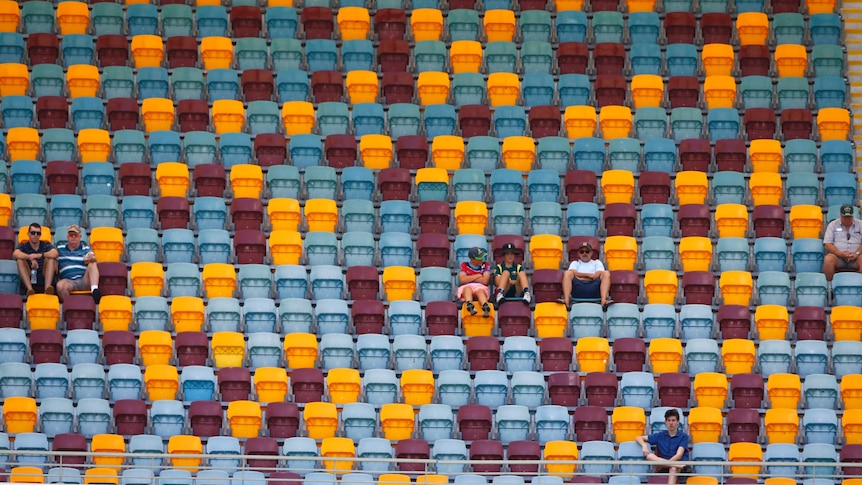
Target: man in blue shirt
671	446
39	256
78	268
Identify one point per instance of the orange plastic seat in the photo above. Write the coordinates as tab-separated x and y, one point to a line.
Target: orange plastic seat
187	313
791	60
300	350
180	445
704	424
695	253
719	91
147	51
765	155
284	214
665	355
782	425
73	17
417	386
846	322
426	24
344	385
219	280
433	88
618	186
10	16
246	181
115	313
155	347
752	28
784	391
738	356
447	151
376	151
771	322
471	217
362	86
335	447
851	423
647	90
101	476
746	453
397	421
851	391
19	414
628	422
710	389
22	143
519	152
321	419
270	384
14	79
228	116
148	279
765	188
736	287
94	145
321	215
546	251
26	474
353	23
806	221
615	122
550	320
158	114
285	246
399	282
465	56
499	25
621	253
592	354
162	382
216	52
580	121
228	349
173	179
660	285
718	59
692	187
298	117
504	88
833	124
560	451
731	220
43	311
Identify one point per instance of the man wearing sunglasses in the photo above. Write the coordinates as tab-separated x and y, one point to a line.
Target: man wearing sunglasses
36	255
841	242
78	268
586	278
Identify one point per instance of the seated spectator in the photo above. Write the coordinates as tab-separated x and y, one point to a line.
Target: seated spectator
841	243
586	279
671	446
39	256
78	268
474	278
510	277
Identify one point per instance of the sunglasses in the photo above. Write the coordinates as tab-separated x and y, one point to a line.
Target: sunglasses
584	251
34	233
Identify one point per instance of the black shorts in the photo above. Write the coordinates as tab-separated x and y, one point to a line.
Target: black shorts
685	470
586	289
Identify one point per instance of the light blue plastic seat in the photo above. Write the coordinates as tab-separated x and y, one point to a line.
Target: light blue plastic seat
296	314
708	452
435	422
637	389
508	217
543	185
644	28
582	218
696	321
12	50
491	388
825	29
435	284
264	350
574	90
77	49
57	143
658	252
251	53
138	212
624	154
520	353
820	391
811	357
430	56
453	387
31	442
27	177
291	281
546	218
9	279
512	422
657	221
165	146
357	55
67	209
167	418
819	455
320	182
588	321
483	153
506	185
380	385
211	21
183	279
722	123
357	183
770	255
645	59
368	118
528	389
552	423
820	426
835	156
439	119
810	289
16	379
597	451
358	247
30	208
200	148
235	149
223	314
17	111
173	476
396	216
64	475
650	124
830	92
405	317
838	189
152	82
537	88
142	19
449	449
125	381
702	355
102	211
589	154
623	321
95	416
336	351
320	248
332	316
321	55
246	477
846	358
50	380
304	448
98	178
283	181
682	60
847	289
137	476
631	451
306	150
292	85
802	188
447	353
774	357
197	383
146	443
178	246
327	282
152	313
281	22
370	447
728	187
464	242
409	351
571	26
659	320
404	120
259	313
467	87
553	153
82	346
509	121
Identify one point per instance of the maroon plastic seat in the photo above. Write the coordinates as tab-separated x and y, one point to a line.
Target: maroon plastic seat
483	353
112	50
564	388
62	177
474	120
620	219
523	450
754	60
8	243
209	180
674	389
119	347
412	152
393	55
456	4
580	185
654	187
698	287
234	384
441	317
743	425
786	6
340	150
130	417
694	220
730	155
70	442
46	345
326	85
487	450
545	121
625	286
532	5
740	481
181	51
390	24
192	348
768	221
629	354
193	115
113	279
851	454
246	213
206	418
474	421
609	58
683	91
716	28
52	111
746	390
282	419
734	321
601	388
285	478
368	315
173	212
394	183
590	422
809	322
257	84
136	178
433	249
759	124
249	246
605	5
306	385
122	114
547	285
556	354
42	48
412	449
317	22
573	57
79	312
397	85
680	27
245	21
500	240
270	149
796	124
610	89
514	319
433	216
260	446
363	282
695	154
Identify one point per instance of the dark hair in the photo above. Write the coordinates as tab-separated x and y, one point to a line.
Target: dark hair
35	224
671	413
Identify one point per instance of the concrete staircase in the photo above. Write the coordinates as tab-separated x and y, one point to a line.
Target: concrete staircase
852	15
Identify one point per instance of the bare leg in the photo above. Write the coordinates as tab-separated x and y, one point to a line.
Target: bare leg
481	296
503	282
522	283
567	286
467	294
605	288
24	274
49	271
64	288
671	475
92	274
830	265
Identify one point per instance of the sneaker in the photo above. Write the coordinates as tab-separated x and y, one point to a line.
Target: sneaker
97	295
486	309
49	290
471	308
498	297
527	296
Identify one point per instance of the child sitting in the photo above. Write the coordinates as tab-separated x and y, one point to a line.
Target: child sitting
474	278
510	277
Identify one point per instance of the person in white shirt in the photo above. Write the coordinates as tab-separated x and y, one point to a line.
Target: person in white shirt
587	277
841	242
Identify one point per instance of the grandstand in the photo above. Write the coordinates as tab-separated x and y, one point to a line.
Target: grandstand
279	194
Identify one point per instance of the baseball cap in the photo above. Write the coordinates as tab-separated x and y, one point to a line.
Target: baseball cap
477	254
509	248
585	245
846	210
74	228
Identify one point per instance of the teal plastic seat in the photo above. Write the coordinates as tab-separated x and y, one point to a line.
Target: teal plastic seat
214	246
142	19
396	249
77	49
129	146
463	24
650	123
283	181
792	93
506	185
263	117
66	209
235	149
743	6
546	218
30	208
607	26
357	183
463	243
536	57
810	288
431	55
117	81
295	312
368	119
321	55
281	22
709	6
87	112
732	254
696	321
211	21
320	183
26	176
657	220
469	184
468	88
483	153
825	29
306	150
623	321
554	153
152	82
409	349
686	123
728	187
756	92
165	146
788	28
681	60
644	28
582	218
508	217
774	357
337	351
209	213
142	244
404	120
571	26
48	80
357	55
589	154
537	89
255	281
107	19
801	188
501	57
435	284
102	211
222	84
645	59
658	252
223	314
439	119
535	26
543	185
292	85
396	216
770	255
333	118
320	248
827	60
660	155
183	279
152	313
722	123
286	53
830	92
358	248
17	111
251	53
176	20
624	154
38	17
200	148
837	189
187	83
327	282
836	156
11	47
574	90
800	156
509	121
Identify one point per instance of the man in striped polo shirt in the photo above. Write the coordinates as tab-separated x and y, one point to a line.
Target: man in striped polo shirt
78	269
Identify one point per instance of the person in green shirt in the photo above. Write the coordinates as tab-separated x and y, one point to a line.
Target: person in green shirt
510	277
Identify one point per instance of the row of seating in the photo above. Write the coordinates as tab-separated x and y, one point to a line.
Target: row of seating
140	476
